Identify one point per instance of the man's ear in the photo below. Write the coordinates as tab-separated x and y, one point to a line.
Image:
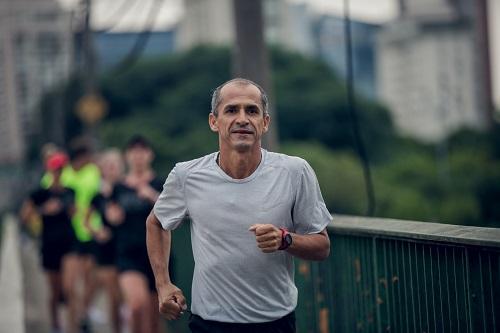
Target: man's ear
212	122
267	121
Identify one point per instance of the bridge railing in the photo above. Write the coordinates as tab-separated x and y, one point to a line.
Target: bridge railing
401	276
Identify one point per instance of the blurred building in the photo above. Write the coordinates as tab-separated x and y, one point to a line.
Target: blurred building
292	26
205	22
330	46
35	55
112	47
212	22
289	25
433	67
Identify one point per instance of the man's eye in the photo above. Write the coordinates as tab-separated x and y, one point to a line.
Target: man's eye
231	110
253	110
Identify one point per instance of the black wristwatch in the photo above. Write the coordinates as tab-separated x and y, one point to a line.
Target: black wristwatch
286	239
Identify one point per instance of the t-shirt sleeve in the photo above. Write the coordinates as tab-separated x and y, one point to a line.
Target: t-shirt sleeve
157	184
95	201
38	196
70	197
310	214
115	192
170	208
69	200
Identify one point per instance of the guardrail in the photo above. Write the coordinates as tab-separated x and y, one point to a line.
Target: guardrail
401	276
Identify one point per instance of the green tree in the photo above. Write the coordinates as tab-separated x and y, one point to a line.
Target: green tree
168	100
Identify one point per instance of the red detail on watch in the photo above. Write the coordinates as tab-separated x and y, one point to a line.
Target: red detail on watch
285	242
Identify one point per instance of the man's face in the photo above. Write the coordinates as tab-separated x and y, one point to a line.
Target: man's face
240	119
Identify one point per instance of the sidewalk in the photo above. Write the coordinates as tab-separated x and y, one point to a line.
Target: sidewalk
23	288
11	280
36	315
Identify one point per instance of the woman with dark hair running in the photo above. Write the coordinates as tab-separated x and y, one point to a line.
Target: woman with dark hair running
131	203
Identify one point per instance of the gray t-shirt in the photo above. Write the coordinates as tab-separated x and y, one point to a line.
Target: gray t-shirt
234	281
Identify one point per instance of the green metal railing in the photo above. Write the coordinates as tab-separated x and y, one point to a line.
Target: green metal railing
389	276
401	276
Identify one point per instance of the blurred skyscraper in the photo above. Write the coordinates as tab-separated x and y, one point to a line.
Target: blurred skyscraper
113	47
292	26
35	55
433	67
329	37
211	22
205	22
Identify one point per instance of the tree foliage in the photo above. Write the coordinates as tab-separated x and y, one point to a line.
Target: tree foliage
168	101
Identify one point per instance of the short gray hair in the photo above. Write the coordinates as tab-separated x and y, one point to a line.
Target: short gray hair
216	99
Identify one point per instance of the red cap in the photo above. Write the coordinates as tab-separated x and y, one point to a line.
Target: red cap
56	161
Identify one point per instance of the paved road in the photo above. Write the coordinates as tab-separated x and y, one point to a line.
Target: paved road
11	287
23	289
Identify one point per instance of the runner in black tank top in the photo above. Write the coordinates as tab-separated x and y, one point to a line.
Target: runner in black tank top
111	166
55	206
131	203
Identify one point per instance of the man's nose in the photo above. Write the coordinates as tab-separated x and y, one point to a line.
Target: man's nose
242	117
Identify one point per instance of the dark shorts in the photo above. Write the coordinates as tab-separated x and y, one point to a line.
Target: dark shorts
282	325
53	253
134	257
106	253
86	248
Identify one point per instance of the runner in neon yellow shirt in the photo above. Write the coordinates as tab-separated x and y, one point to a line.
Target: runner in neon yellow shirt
85	182
83	177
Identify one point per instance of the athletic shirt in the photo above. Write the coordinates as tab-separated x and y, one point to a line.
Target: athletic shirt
55	227
99	204
233	280
132	232
85	183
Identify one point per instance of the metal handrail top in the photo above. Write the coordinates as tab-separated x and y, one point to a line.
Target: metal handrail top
392	228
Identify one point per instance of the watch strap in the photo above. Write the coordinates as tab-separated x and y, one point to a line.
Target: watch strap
284	243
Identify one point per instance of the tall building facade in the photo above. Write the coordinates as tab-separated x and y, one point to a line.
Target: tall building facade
205	22
212	22
433	68
35	55
330	46
111	48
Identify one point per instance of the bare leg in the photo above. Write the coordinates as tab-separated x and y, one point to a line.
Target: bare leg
109	278
135	290
157	323
70	272
54	280
89	283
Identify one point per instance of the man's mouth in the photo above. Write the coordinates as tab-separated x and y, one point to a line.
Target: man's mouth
241	131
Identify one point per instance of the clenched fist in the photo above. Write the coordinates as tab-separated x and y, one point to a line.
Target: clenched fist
268	237
171	302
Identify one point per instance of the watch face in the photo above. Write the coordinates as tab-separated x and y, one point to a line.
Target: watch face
288	239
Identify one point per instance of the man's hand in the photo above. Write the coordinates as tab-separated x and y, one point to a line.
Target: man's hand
268	237
171	302
114	214
52	207
102	235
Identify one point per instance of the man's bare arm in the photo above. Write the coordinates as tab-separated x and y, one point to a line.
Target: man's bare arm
158	241
310	247
158	244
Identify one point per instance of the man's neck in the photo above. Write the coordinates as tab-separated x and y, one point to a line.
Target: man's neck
239	165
